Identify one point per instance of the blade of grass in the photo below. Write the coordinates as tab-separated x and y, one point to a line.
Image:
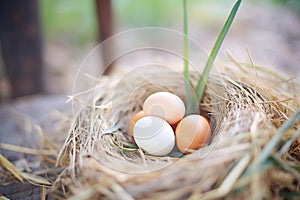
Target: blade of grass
191	107
276	138
290	195
287	145
285	166
259	162
186	43
203	78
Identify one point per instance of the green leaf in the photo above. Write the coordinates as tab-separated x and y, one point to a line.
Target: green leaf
203	78
290	195
264	156
192	106
269	148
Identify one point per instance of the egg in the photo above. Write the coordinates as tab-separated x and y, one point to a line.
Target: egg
192	132
166	105
135	118
154	135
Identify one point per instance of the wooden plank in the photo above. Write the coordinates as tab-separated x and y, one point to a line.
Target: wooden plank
21	46
105	24
13	120
20	191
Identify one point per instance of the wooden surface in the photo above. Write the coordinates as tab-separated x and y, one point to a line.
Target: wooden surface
17	121
24	191
21	46
105	24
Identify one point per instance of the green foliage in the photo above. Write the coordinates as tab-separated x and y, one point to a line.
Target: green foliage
192	105
214	52
72	20
146	12
75	21
294	4
193	100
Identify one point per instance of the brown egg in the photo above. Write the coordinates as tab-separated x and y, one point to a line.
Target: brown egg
192	132
135	118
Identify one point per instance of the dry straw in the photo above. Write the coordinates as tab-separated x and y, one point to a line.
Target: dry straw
254	152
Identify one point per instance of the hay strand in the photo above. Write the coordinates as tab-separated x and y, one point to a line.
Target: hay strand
11	168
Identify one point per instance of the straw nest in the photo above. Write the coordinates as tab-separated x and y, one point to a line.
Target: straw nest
254	152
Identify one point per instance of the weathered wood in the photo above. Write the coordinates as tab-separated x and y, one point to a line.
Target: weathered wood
24	191
15	122
18	120
21	45
105	24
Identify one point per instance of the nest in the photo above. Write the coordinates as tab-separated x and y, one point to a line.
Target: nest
247	109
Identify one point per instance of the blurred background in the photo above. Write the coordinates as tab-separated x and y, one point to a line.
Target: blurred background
69	29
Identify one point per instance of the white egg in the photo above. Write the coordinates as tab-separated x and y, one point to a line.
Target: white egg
154	135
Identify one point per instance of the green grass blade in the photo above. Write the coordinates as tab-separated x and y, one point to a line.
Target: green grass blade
186	42
285	165
290	195
190	107
261	160
288	143
277	137
203	78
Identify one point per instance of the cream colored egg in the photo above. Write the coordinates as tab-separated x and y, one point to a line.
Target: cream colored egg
154	135
165	105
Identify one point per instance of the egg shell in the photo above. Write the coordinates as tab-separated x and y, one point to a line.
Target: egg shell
192	132
134	119
154	135
165	105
